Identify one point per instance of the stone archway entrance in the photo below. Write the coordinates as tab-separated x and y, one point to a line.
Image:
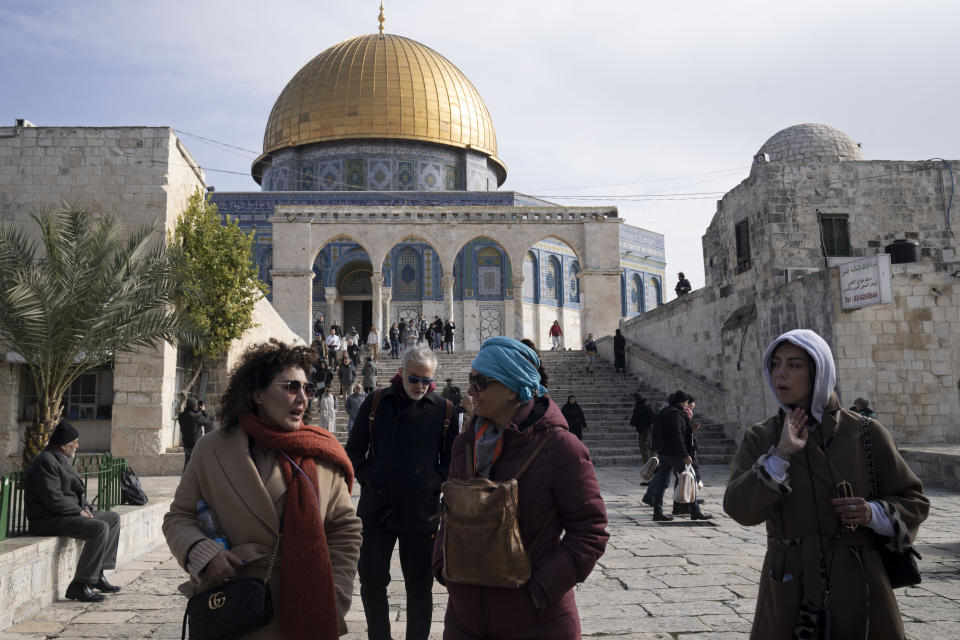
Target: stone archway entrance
355	292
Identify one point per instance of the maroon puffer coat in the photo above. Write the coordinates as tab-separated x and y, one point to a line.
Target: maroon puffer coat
561	478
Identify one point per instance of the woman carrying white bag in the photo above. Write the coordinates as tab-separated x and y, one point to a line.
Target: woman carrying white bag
674	457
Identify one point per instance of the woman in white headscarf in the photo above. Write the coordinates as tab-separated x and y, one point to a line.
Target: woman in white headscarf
822	566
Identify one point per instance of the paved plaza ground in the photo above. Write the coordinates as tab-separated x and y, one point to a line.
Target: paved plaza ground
690	581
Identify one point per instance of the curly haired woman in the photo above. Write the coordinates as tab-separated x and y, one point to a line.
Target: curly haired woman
267	469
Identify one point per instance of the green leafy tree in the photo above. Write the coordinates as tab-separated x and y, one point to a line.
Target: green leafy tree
69	303
219	280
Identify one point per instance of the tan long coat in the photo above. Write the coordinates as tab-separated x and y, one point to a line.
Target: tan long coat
859	587
222	472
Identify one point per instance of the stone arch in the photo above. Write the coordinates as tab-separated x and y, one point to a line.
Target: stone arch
319	244
531	277
655	289
484	269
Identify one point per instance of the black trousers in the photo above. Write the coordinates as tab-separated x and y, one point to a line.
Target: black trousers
100	534
416	562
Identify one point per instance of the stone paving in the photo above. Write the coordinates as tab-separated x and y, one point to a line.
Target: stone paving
685	580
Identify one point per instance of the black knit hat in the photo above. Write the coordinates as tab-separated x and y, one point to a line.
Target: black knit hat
64	433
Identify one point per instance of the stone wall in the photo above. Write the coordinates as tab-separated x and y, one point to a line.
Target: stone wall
902	356
268	324
140	175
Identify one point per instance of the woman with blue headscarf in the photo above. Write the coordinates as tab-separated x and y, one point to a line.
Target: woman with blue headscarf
558	495
805	473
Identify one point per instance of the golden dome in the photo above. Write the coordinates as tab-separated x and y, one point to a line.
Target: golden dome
380	86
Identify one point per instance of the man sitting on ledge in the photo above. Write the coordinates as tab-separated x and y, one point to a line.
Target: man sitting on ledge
55	506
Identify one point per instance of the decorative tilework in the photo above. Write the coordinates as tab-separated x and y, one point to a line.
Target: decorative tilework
552	279
405	177
530	277
379	175
307	179
430	176
355	174
573	290
408	266
451	178
331	176
427	273
491	321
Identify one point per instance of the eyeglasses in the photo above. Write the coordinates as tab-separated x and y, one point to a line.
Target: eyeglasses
478	381
293	387
415	380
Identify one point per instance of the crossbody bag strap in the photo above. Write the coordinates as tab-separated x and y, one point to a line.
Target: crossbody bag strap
471	463
273	556
373	414
534	455
867	442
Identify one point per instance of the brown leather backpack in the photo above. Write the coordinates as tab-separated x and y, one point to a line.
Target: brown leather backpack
481	529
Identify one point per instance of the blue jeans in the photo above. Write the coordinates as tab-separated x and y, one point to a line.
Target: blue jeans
658	486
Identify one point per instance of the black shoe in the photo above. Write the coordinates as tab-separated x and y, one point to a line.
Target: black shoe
104	586
659	516
700	500
700	516
83	593
644	484
647	501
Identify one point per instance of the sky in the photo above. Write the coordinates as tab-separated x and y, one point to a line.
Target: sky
656	108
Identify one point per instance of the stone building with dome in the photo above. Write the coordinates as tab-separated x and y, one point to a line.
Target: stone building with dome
380	201
773	255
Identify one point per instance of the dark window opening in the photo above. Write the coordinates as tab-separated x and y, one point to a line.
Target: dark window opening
836	234
742	233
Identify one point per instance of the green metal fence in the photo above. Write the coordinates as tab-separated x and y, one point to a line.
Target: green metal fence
101	474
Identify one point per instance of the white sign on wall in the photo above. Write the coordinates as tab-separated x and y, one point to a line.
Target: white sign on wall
866	282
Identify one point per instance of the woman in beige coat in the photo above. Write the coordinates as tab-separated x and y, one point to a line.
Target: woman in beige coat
266	469
822	566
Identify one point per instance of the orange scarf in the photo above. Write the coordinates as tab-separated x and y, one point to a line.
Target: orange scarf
309	604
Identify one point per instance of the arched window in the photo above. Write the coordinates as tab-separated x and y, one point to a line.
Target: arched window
656	294
320	270
489	273
458	276
407	285
357	283
574	286
266	263
636	289
552	275
530	276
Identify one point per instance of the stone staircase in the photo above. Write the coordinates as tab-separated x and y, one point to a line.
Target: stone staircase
604	395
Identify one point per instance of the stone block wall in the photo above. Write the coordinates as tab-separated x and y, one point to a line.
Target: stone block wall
268	324
140	175
902	356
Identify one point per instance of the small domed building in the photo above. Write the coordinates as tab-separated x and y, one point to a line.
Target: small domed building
380	202
820	237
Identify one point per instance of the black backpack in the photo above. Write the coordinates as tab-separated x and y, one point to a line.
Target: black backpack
453	394
130	490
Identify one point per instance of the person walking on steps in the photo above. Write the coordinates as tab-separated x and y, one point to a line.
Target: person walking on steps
573	414
590	350
556	336
641	420
620	352
674	456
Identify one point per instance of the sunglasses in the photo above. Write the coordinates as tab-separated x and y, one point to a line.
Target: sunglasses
415	380
478	381
293	387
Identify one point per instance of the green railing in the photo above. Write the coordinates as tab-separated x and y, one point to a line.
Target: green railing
100	473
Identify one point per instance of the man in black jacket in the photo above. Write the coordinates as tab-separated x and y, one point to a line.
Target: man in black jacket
55	506
193	424
673	455
401	459
641	420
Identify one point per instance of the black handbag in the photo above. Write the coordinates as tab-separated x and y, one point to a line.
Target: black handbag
233	609
131	492
901	567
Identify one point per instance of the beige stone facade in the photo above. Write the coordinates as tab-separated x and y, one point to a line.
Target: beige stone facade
593	233
767	272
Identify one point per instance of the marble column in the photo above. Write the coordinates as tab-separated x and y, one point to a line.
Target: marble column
376	285
387	294
333	310
447	282
518	306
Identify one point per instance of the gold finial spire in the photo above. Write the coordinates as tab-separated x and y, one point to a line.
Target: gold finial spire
380	18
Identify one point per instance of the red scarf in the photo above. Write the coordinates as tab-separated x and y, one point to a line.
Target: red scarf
309	603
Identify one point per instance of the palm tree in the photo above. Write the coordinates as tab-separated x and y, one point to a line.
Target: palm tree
86	292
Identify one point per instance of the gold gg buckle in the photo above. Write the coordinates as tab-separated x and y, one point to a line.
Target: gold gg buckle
217	600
